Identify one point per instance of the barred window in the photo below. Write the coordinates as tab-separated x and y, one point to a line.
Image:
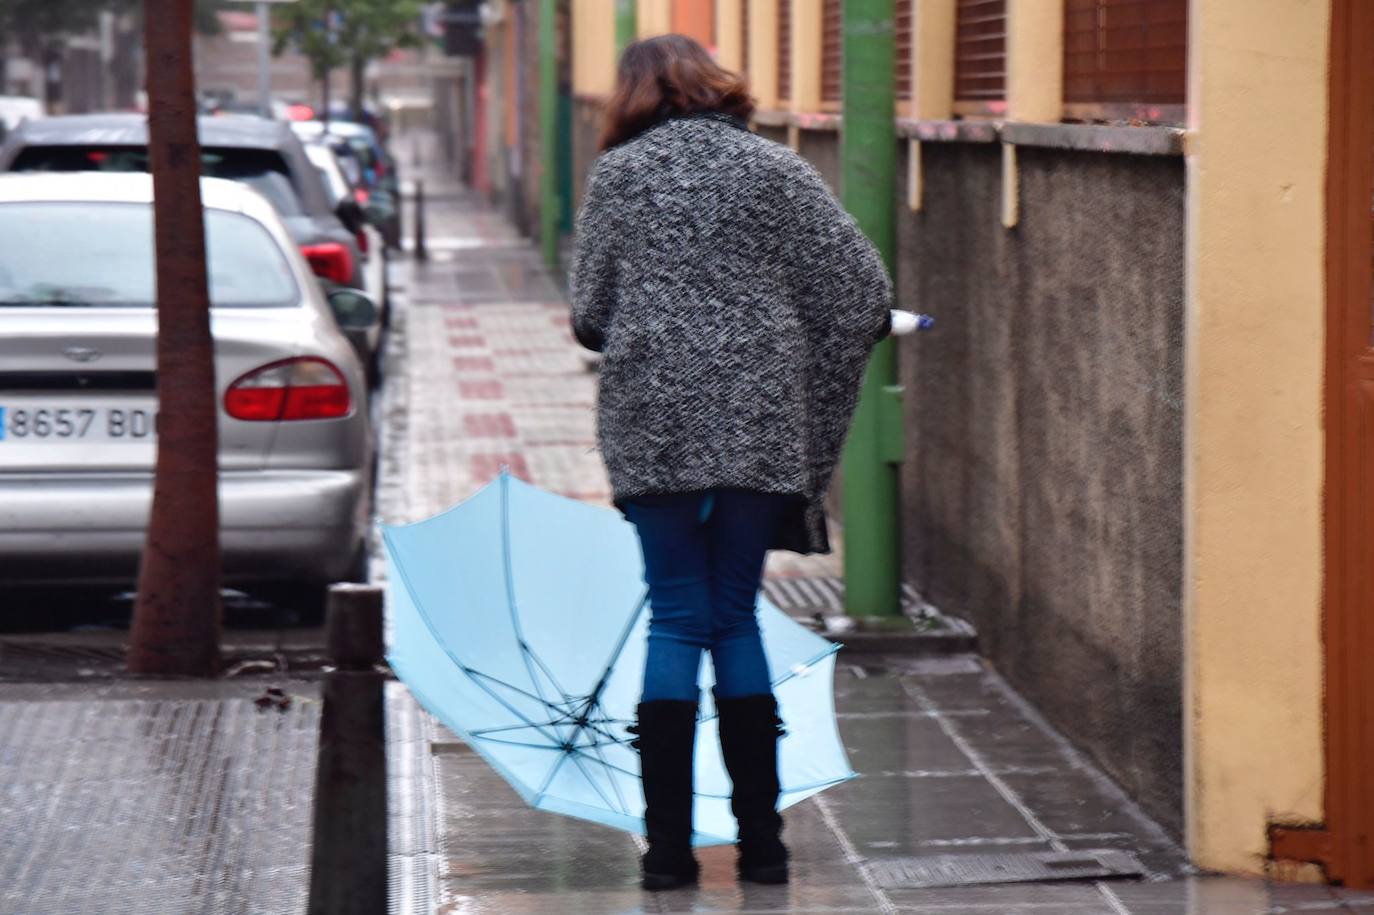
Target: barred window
904	23
784	50
832	50
980	51
1125	58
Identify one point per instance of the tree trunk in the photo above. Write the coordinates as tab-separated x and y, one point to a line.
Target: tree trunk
357	72
177	614
324	97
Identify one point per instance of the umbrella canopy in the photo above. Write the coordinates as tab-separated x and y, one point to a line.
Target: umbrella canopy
519	618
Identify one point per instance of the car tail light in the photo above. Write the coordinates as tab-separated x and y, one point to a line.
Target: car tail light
361	195
330	260
306	387
362	241
300	113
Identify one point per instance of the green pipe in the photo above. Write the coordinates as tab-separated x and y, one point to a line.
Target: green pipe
626	24
549	208
868	161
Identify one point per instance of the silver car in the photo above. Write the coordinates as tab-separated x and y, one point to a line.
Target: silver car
78	409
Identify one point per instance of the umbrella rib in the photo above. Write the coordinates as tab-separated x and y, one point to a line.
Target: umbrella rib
577	761
525	654
594	699
520	743
548	780
471	672
601	758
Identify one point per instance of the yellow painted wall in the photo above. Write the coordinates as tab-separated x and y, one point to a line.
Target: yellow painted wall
1035	60
655	17
593	44
729	34
763	53
1253	432
807	25
932	60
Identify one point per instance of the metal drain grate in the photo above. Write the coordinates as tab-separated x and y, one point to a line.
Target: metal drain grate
1018	867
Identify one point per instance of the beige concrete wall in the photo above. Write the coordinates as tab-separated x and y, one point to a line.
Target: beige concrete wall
1253	435
593	44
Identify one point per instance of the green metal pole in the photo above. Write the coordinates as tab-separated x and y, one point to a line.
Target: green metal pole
868	157
548	132
626	23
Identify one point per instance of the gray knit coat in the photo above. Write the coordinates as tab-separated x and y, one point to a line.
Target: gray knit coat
736	303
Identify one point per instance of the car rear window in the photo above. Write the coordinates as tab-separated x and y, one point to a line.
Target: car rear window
99	254
262	169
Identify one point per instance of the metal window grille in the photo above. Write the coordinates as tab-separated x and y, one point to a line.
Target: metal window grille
980	51
904	24
784	50
832	50
1125	59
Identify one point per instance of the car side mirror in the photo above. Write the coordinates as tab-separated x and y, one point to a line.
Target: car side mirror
350	214
352	308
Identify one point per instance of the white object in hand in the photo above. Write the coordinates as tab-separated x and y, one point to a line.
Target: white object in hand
906	322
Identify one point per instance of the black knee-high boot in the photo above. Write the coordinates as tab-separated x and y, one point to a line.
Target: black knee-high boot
667	730
749	732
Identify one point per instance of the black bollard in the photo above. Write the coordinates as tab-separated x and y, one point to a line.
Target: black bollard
421	254
348	865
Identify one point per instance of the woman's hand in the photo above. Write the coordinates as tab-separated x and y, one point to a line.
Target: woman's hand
906	322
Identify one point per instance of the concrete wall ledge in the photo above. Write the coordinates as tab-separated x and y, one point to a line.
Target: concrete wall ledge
949	131
812	120
1139	141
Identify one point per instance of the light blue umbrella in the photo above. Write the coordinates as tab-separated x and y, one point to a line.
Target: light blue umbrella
519	619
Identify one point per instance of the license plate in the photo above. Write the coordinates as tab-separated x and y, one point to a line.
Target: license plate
43	424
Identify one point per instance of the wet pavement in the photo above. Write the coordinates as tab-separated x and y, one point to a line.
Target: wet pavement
158	797
952	761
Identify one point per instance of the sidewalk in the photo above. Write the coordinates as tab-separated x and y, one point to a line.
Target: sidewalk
485	374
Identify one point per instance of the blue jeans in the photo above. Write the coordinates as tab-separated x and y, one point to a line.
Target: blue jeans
703	564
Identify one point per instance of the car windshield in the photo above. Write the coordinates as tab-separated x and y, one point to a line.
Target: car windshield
92	254
262	169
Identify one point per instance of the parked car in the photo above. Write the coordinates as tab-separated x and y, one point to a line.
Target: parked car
380	175
263	154
78	410
354	217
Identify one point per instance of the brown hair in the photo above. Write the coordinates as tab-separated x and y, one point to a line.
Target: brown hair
666	76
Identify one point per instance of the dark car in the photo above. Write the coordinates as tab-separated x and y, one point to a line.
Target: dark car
263	154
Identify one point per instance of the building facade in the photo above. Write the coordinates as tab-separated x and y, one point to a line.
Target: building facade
1138	442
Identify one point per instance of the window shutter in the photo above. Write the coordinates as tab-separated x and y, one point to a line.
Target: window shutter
1124	57
784	50
904	23
980	51
832	50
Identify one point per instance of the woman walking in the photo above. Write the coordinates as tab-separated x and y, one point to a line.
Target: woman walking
735	303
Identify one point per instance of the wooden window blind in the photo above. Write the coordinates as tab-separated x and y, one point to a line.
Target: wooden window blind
784	50
980	51
904	23
832	50
1125	58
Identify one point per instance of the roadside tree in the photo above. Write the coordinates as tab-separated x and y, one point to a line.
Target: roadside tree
177	614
